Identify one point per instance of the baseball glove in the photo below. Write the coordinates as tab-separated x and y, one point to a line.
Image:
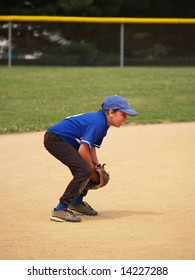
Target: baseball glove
103	178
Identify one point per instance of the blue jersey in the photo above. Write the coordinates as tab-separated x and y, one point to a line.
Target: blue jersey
88	128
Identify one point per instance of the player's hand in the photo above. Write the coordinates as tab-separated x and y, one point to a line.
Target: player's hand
94	176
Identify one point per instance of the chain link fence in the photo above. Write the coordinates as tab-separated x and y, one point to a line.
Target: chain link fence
93	44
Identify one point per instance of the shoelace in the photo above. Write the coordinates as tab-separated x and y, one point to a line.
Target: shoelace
86	204
70	212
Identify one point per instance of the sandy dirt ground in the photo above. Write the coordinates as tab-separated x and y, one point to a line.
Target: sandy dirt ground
147	211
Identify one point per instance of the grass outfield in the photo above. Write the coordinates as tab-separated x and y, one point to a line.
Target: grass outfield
33	98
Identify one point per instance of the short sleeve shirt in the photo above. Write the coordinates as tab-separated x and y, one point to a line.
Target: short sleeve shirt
88	128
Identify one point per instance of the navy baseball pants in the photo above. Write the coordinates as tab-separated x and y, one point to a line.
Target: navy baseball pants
70	157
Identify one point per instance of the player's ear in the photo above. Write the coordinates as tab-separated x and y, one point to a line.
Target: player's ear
110	113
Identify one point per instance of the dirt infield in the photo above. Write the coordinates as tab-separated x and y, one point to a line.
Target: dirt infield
147	211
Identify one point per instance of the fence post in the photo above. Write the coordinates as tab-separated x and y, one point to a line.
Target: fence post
9	44
122	45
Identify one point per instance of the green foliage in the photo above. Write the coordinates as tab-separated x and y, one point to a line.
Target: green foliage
79	44
73	54
33	98
109	8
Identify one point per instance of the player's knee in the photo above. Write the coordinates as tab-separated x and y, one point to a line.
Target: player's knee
82	174
86	173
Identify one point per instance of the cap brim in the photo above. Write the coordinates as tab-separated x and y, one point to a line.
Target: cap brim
129	112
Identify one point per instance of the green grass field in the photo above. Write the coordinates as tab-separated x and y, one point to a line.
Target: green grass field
33	98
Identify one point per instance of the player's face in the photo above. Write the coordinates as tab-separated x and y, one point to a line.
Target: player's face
117	118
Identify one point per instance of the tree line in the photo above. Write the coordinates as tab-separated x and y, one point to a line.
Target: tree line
98	44
100	8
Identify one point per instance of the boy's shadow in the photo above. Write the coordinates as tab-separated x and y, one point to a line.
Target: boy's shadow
117	214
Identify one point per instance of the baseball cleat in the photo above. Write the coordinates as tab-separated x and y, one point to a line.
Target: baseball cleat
83	208
64	215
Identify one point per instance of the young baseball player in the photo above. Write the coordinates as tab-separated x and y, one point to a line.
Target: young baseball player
73	141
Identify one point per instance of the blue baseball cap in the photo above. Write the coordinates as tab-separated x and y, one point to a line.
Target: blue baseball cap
118	102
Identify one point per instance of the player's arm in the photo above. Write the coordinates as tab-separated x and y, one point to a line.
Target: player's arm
94	155
85	152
